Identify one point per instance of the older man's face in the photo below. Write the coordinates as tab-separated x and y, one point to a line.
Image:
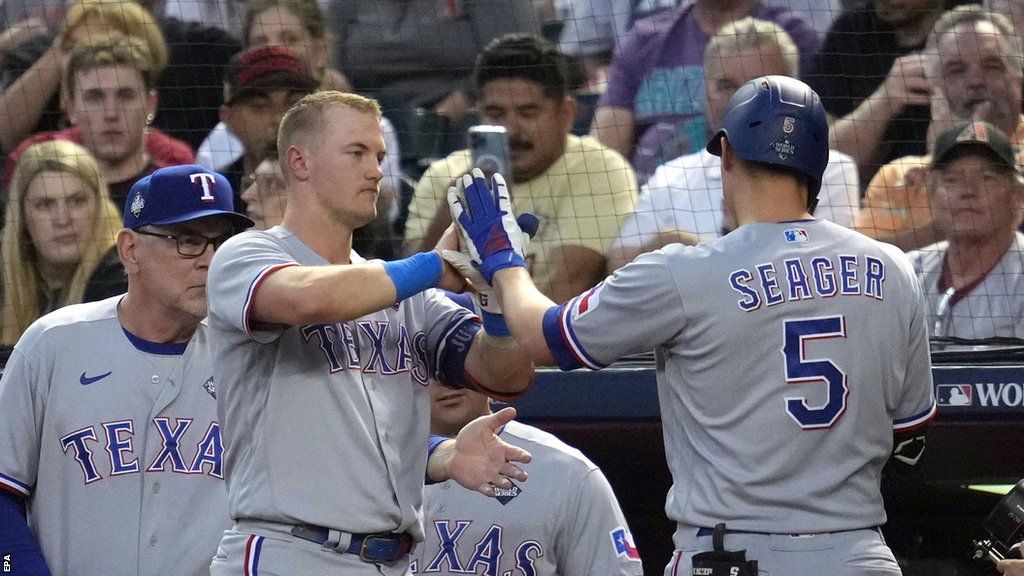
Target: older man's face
979	75
973	198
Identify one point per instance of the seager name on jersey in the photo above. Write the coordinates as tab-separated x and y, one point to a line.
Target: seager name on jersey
794	279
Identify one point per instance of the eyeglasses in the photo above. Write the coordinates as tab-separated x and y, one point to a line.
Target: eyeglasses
190	245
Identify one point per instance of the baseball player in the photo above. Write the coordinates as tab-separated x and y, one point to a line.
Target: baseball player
565	521
792	355
108	422
324	362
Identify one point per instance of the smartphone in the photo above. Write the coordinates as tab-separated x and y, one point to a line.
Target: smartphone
488	146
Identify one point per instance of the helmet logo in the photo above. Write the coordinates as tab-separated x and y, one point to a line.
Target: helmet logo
788	124
783	147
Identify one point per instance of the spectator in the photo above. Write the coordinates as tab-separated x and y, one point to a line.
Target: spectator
294	24
559	525
261	84
265	198
975	64
682	201
974	280
578	188
420	69
592	29
109	96
653	110
58	238
30	102
870	74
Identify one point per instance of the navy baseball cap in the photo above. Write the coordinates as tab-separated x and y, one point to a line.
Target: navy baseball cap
179	194
979	136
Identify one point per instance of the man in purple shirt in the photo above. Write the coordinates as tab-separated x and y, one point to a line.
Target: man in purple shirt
653	110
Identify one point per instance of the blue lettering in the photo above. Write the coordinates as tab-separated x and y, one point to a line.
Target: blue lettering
83	455
376	362
325	340
739	280
526	557
172	443
874	278
487	552
210	450
348	340
449	538
796	277
420	372
824	277
116	447
848	276
404	350
770	285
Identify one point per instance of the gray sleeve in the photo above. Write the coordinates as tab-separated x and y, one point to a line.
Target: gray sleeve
441	319
237	270
641	302
21	421
915	404
596	537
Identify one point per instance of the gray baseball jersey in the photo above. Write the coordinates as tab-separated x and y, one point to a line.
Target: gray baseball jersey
995	307
116	443
325	424
565	522
787	353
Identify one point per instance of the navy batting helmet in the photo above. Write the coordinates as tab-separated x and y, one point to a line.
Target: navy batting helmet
780	121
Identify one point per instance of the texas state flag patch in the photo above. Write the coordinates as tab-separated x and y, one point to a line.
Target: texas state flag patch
622	540
794	235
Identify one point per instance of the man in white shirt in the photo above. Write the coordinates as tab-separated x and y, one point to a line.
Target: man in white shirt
682	200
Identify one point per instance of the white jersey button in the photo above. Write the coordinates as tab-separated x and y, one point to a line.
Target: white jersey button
156	487
156	379
152	540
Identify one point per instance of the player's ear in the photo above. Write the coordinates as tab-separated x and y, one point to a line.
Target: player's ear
296	162
127	250
728	157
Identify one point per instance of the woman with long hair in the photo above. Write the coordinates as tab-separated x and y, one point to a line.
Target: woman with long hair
58	241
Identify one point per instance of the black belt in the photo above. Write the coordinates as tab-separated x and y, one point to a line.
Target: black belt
383	548
705	531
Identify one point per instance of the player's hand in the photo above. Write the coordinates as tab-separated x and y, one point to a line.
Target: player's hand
452	279
481	461
907	83
1011	567
485	222
483	293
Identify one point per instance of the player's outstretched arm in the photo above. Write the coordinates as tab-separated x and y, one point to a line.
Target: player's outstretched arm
524	307
296	295
477	459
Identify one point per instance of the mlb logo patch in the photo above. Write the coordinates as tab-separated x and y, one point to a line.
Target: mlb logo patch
795	235
622	540
505	495
954	395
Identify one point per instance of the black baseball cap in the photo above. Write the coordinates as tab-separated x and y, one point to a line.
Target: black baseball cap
979	136
266	68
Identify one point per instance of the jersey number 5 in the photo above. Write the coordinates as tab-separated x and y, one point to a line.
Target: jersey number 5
801	370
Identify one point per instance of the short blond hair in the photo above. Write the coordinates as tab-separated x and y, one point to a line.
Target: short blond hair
303	120
128	51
